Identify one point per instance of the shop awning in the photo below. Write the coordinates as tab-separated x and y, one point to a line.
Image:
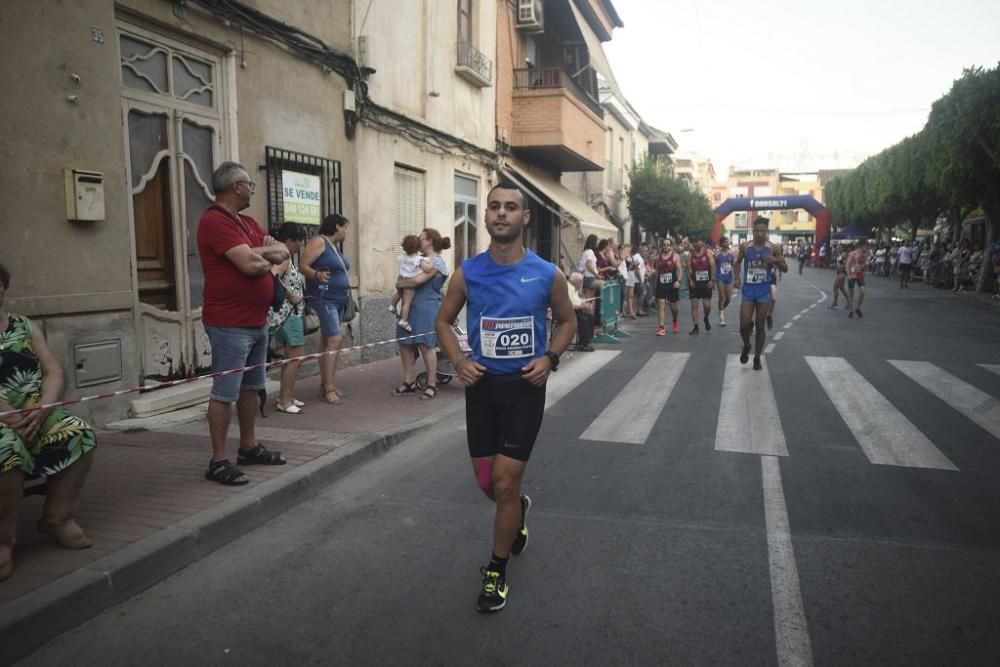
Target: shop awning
852	231
573	209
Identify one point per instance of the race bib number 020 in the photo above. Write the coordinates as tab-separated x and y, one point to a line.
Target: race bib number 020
507	338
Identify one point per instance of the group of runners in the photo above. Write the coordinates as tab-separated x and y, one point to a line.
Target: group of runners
753	269
507	291
851	266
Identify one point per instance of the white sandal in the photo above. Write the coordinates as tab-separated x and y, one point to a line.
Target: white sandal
291	409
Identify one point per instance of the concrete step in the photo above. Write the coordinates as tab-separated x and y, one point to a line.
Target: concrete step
162	408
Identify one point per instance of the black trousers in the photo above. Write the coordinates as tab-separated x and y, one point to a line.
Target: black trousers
584	327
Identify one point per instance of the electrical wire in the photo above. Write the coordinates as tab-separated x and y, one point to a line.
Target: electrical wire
313	49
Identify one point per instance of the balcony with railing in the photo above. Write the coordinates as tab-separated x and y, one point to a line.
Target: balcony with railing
473	66
556	120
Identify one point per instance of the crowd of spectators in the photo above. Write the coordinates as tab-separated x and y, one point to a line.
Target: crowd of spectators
953	266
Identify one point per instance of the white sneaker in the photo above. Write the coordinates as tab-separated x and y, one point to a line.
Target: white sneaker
405	325
722	319
392	309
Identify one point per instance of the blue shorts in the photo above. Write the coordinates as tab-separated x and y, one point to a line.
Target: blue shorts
236	347
726	279
758	293
329	316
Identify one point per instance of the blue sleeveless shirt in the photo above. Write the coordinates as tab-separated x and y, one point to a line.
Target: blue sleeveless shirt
506	306
756	276
724	267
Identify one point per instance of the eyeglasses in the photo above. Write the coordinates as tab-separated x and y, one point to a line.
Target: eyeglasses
250	184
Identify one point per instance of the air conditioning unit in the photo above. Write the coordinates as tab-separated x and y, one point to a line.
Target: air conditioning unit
530	17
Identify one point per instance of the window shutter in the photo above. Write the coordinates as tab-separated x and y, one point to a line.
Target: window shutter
408	208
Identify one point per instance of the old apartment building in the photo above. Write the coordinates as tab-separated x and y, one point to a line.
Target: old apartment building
399	115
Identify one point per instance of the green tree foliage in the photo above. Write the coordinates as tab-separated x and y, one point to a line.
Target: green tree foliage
663	204
951	166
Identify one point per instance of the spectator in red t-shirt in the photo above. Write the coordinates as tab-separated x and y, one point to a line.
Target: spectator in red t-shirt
236	256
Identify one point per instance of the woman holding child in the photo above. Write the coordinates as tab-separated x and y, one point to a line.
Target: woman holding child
423	312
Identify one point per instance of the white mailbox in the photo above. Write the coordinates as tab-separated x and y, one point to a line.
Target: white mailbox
84	195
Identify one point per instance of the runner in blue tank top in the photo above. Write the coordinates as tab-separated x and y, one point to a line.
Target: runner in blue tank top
508	290
724	261
759	256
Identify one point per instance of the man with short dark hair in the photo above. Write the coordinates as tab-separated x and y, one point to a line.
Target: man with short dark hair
508	290
236	256
755	284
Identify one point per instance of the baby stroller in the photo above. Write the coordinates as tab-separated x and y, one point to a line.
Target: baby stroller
445	369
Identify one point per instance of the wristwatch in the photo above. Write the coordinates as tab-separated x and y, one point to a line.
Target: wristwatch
554	359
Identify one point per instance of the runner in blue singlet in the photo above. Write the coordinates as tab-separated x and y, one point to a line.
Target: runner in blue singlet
724	260
759	256
508	290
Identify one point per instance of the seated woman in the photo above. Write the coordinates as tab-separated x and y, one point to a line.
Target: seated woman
48	442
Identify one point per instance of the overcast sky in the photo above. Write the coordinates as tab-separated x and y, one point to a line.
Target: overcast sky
799	85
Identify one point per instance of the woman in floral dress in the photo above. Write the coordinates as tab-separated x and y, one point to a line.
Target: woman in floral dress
48	442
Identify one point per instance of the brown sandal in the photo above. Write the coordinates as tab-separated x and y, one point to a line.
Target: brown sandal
65	540
428	393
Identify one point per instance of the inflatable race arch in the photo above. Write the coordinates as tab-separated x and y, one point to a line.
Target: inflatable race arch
820	212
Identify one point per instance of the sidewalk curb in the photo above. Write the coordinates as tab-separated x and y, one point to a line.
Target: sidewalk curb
62	605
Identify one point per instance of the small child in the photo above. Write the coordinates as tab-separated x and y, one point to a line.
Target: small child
411	265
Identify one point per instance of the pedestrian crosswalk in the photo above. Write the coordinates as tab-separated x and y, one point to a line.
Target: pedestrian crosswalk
630	416
886	436
749	419
977	405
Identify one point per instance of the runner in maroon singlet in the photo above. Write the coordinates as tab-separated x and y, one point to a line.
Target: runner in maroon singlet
701	279
667	269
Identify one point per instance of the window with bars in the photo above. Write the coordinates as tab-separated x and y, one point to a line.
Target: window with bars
408	211
301	188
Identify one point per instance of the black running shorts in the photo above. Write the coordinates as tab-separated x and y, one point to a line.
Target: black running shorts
667	292
503	415
700	291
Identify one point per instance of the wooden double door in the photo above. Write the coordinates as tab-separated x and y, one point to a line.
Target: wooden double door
173	139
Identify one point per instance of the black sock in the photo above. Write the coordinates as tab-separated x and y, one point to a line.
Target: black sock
499	564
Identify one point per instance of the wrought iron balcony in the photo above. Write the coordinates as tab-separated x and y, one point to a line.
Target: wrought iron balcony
474	66
556	77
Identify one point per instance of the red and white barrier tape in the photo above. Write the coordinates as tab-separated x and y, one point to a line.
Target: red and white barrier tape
174	383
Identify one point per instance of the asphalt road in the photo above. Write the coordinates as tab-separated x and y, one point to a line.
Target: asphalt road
871	539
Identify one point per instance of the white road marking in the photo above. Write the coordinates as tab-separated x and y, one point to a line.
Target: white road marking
813	306
886	436
631	415
976	405
573	375
797	316
791	631
789	325
769	348
995	368
779	335
748	414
